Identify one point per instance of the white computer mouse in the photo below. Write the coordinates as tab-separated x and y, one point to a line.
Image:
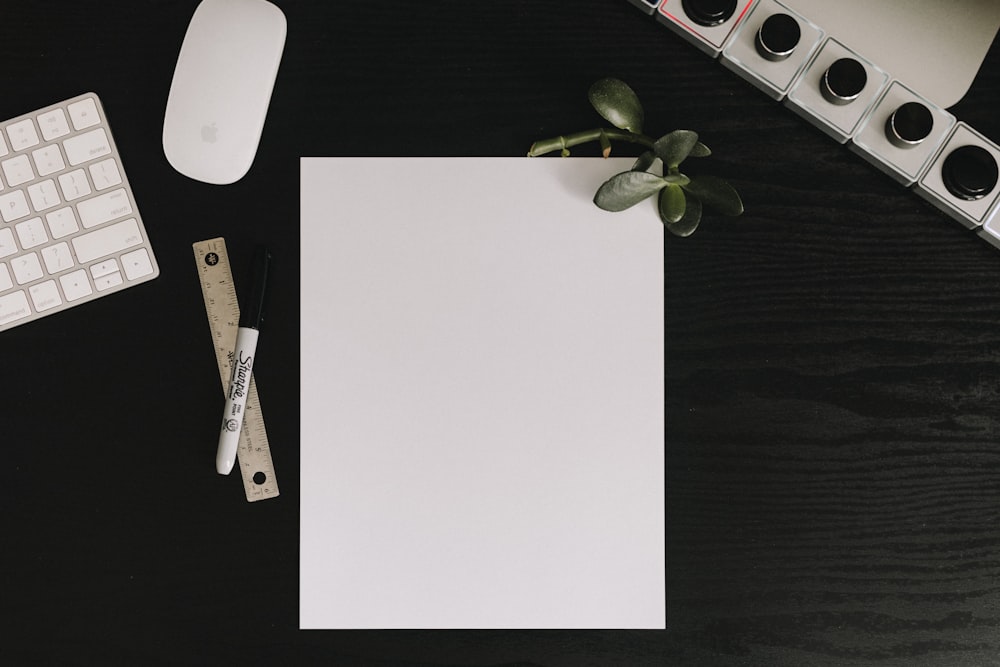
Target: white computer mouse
222	87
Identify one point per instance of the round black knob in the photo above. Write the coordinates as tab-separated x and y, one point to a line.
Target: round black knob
969	172
709	12
843	81
909	124
778	36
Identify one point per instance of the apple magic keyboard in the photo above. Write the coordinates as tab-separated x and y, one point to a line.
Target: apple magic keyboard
70	231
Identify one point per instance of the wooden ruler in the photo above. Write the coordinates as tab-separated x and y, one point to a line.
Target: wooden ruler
219	291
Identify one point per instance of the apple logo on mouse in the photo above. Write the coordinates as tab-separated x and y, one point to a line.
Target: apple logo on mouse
209	133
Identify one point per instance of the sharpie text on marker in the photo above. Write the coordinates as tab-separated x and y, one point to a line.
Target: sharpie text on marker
251	316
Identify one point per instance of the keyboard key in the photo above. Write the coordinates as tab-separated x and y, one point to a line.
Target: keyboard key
84	114
44	195
17	170
137	264
75	285
7	245
105	174
13	206
57	258
48	160
53	124
102	269
3	146
107	240
26	268
104	208
5	282
62	222
31	233
74	185
108	281
85	147
13	307
45	295
22	134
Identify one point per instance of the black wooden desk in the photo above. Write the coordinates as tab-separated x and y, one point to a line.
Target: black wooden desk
833	435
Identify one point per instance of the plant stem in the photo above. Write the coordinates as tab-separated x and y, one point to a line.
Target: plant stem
564	142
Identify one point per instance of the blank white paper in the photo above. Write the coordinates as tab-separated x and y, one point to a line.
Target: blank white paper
482	397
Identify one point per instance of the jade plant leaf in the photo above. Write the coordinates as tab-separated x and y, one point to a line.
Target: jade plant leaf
617	103
645	162
627	189
673	148
716	194
671	204
689	222
700	150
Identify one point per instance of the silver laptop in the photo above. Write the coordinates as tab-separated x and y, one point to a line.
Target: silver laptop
934	47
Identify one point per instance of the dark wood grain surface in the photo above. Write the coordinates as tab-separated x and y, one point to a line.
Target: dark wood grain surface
832	449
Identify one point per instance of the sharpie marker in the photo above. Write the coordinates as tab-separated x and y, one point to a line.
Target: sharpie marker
243	362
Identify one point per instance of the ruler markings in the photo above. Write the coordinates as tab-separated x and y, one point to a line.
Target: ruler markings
223	310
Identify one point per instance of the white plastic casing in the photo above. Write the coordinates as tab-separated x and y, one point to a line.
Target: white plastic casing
806	97
646	6
990	231
773	77
931	186
903	164
709	39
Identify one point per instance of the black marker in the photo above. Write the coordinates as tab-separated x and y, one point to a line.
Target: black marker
243	361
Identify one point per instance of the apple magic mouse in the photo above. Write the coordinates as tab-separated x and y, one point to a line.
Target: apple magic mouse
221	88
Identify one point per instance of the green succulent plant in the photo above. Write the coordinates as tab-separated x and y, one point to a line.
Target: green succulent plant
681	199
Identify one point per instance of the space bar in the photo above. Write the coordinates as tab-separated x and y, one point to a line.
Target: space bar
107	240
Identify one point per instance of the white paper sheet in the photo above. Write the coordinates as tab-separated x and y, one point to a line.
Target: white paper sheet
482	397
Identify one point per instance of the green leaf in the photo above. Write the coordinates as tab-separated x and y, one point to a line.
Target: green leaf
645	162
674	147
687	224
617	104
627	189
671	204
716	194
700	150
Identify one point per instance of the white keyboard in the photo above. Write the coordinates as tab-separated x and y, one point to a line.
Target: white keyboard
70	230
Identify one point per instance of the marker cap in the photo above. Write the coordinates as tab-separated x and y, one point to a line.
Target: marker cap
252	309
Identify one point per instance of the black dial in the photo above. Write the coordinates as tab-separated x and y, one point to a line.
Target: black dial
778	36
844	80
910	124
709	12
969	172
